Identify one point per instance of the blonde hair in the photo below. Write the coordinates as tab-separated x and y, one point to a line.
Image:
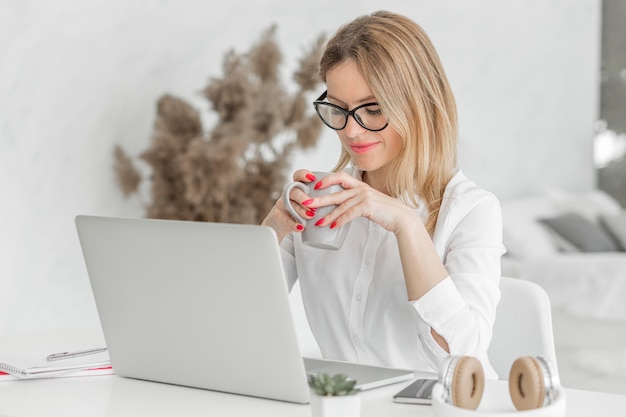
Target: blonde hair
404	73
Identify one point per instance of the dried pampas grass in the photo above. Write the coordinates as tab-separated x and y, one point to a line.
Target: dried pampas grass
234	172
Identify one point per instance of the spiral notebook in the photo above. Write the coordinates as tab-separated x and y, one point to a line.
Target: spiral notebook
53	353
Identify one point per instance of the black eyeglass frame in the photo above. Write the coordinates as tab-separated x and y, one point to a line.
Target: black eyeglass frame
347	113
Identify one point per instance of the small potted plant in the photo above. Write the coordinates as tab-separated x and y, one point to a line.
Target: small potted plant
335	396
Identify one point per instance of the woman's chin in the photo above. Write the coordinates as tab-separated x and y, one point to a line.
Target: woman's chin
365	166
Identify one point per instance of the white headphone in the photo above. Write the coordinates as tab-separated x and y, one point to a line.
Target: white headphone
533	384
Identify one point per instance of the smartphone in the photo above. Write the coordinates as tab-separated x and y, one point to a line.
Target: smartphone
419	392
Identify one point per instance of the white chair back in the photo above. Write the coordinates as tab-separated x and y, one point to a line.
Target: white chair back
523	325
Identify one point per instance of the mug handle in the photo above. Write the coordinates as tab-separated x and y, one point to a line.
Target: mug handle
287	200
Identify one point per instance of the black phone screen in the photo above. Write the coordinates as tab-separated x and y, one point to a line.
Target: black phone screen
418	392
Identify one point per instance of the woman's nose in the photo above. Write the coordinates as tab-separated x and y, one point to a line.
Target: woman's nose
352	128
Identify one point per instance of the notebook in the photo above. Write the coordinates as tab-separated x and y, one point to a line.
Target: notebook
53	353
203	305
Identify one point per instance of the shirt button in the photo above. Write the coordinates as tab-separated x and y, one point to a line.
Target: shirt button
368	261
355	338
359	297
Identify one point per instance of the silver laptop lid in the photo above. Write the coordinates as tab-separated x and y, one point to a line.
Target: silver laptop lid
196	304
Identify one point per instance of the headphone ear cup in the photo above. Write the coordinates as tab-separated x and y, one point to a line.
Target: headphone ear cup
526	383
468	383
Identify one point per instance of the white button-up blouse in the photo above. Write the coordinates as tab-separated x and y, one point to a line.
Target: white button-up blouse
356	301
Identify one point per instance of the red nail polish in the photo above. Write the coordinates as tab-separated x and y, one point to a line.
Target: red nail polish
310	213
333	225
319	222
307	202
310	177
300	227
318	185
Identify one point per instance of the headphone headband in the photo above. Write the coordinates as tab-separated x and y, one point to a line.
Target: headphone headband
551	380
446	374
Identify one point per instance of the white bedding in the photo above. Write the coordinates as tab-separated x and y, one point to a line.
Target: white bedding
587	290
589	285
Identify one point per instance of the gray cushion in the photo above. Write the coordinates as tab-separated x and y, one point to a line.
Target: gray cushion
616	226
562	244
582	233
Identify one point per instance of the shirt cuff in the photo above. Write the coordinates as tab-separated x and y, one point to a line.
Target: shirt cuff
440	304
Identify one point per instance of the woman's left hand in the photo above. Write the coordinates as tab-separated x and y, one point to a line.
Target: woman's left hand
358	199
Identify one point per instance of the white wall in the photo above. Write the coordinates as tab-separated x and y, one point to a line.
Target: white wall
78	77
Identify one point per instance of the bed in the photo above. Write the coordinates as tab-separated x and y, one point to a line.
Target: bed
573	245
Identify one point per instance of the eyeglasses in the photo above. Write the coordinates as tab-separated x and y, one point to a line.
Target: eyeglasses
367	115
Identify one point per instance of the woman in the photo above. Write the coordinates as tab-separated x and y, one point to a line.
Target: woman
417	277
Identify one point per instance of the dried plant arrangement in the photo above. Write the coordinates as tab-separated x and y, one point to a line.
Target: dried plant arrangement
234	172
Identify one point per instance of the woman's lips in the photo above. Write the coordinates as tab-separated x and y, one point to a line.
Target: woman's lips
362	147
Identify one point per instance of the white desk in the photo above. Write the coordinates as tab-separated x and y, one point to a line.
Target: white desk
116	396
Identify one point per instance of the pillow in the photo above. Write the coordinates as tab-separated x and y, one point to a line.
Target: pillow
616	226
591	204
523	236
562	244
581	232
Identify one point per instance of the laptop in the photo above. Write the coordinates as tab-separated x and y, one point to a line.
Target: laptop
203	305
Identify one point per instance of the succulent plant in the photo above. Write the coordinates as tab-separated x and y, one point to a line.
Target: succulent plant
332	386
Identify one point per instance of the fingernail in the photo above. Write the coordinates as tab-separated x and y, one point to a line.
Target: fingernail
310	213
310	177
319	222
318	185
307	202
300	227
333	225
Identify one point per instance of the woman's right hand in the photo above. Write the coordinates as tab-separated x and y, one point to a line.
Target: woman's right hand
279	218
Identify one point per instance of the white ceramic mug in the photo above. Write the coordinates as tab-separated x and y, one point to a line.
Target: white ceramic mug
316	236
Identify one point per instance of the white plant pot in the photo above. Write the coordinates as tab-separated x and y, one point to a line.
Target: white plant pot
342	406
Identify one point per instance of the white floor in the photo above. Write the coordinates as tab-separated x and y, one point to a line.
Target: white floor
591	354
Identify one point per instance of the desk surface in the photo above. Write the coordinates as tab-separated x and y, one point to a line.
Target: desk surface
116	396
